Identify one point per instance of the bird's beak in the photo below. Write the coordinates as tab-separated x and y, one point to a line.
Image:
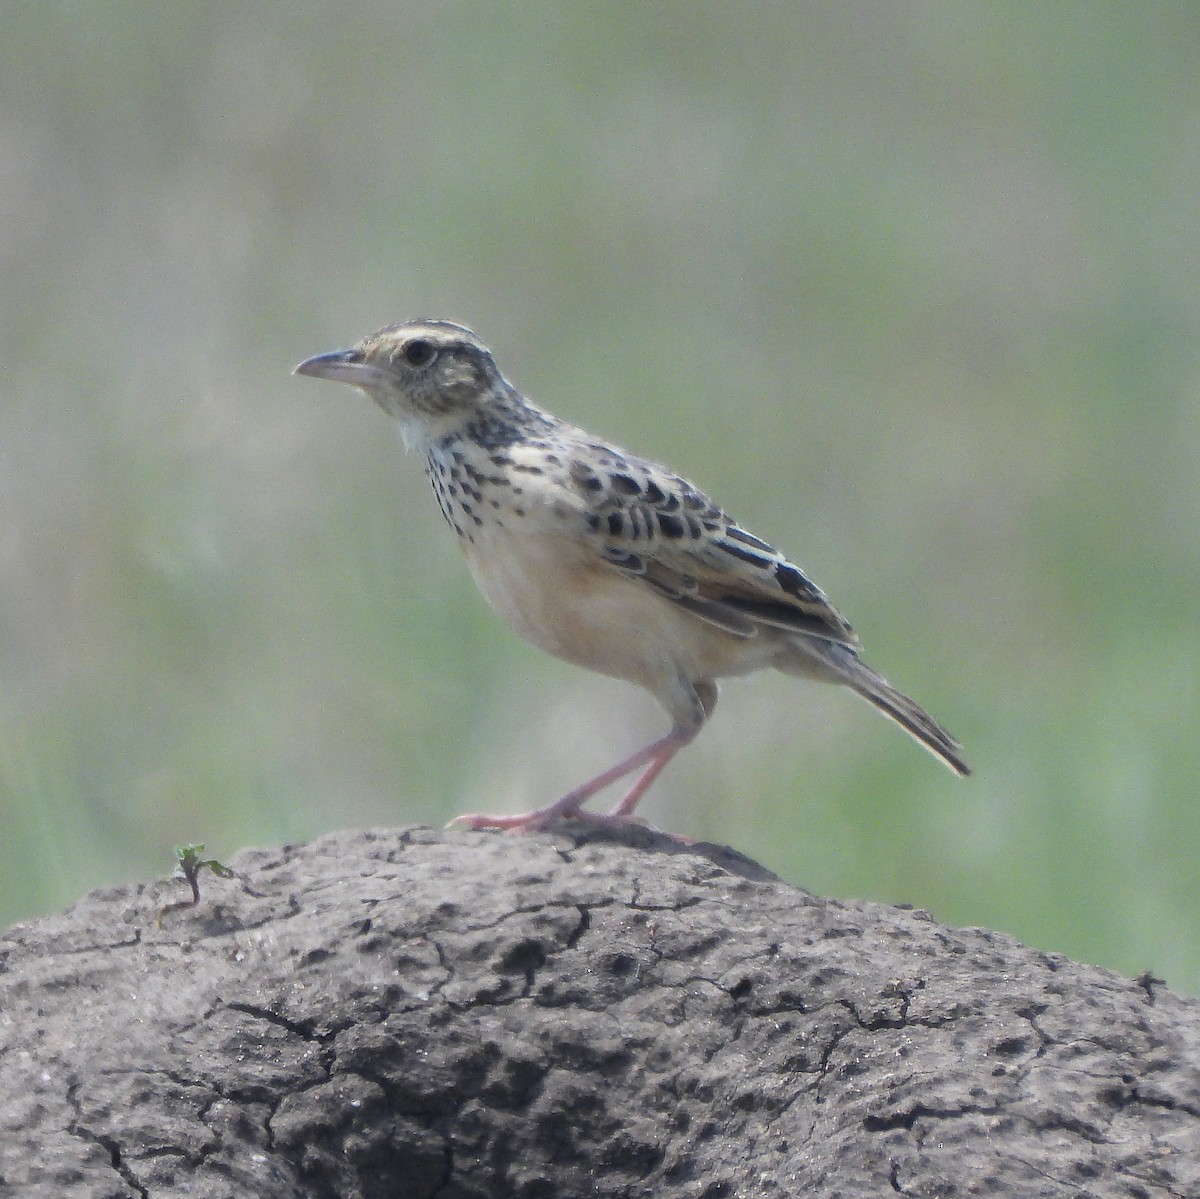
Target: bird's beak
344	366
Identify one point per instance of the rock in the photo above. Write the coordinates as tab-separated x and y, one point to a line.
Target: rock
411	1013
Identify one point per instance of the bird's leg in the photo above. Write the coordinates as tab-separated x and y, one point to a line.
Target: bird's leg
624	809
706	694
654	757
658	755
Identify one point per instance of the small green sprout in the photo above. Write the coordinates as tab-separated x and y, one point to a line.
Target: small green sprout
189	861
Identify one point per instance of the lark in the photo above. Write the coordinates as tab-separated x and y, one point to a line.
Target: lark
604	558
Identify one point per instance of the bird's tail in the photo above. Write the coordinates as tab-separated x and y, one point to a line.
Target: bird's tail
842	664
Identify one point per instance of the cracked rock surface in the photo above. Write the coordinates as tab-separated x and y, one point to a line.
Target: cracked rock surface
412	1014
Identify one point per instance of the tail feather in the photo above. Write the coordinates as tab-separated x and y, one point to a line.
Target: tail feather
842	664
915	721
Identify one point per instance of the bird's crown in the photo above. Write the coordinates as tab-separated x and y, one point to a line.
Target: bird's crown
416	343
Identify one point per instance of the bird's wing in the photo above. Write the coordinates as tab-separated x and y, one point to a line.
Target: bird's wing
661	529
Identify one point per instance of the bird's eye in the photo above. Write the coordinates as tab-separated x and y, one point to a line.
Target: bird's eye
418	353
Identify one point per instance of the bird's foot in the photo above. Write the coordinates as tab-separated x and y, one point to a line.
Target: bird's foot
532	822
528	822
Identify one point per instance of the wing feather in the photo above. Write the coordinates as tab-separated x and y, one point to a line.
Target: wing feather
656	526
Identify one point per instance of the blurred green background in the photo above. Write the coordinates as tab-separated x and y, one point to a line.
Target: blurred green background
914	290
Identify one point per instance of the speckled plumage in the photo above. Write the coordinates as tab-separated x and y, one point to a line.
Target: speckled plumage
601	557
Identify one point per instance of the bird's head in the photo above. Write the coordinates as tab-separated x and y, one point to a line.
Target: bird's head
432	375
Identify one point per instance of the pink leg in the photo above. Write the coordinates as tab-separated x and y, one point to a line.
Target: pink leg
658	755
654	758
624	809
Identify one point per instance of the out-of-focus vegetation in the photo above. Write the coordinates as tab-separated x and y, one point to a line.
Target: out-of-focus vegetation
912	289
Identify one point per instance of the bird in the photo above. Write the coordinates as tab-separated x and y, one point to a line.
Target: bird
602	557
